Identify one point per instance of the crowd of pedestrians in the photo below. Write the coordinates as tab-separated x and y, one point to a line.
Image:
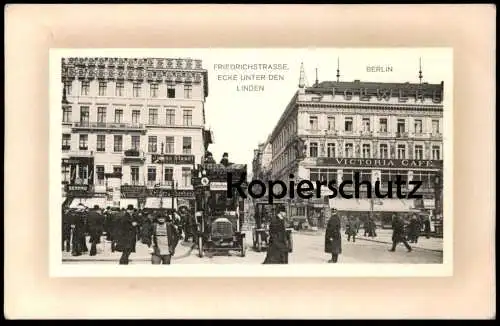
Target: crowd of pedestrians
160	230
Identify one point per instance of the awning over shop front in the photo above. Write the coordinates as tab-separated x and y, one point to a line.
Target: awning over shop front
88	202
379	205
394	205
155	202
357	205
124	202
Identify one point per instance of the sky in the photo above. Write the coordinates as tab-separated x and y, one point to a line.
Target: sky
241	120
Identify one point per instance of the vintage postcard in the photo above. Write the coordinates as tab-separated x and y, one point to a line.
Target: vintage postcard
310	162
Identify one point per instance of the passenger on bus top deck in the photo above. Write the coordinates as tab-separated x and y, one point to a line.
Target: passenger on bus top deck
225	159
209	159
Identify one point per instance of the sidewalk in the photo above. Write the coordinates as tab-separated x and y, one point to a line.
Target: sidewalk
141	253
385	236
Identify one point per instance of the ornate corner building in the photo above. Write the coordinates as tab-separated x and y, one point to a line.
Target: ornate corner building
333	129
138	120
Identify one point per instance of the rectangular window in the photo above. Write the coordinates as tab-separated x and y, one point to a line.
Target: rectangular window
136	88
435	127
366	124
153	116
84	142
313	150
136	142
365	175
170	117
313	123
66	114
187	117
101	114
384	151
348	124
118	115
136	116
186	145
331	150
152	144
101	143
169	174
66	172
186	177
134	175
85	88
401	126
169	145
69	88
118	143
151	176
331	123
66	142
436	153
349	150
120	86
383	125
366	151
401	152
171	91
153	88
347	175
419	152
99	170
418	126
84	115
188	91
83	174
117	169
103	86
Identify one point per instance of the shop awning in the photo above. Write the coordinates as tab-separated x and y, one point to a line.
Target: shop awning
380	205
357	205
88	202
124	202
155	202
394	205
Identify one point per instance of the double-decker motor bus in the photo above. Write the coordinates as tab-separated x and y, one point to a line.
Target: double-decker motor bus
219	217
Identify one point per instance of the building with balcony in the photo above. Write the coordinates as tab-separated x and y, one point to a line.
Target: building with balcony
333	129
142	119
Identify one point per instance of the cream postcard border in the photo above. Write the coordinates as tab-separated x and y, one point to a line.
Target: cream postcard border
58	269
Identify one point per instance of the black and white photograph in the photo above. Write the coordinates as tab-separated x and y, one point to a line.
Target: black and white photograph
242	161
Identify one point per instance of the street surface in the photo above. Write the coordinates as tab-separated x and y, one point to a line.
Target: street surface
308	249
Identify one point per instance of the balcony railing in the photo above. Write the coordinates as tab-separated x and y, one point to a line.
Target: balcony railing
133	155
109	125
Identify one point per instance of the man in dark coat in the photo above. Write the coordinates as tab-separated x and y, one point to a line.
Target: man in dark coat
352	229
66	230
127	235
277	251
333	239
78	226
147	229
398	233
95	224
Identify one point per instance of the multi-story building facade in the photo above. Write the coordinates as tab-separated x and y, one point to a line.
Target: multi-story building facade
261	164
139	119
333	129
